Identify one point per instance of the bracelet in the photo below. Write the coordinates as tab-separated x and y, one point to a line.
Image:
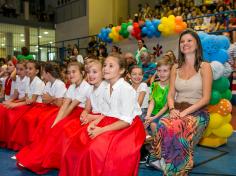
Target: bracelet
171	109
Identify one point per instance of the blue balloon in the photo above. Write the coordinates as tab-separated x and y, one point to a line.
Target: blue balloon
224	42
210	44
144	30
157	34
221	56
156	22
202	35
103	30
148	23
152	29
100	35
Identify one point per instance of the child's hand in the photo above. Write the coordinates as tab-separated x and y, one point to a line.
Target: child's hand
174	113
28	101
87	119
95	131
47	98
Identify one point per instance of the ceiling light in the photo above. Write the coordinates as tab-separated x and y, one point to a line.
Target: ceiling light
46	32
22	40
40	36
22	35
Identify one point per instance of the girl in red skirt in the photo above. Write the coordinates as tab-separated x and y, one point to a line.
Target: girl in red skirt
52	98
110	145
34	90
48	141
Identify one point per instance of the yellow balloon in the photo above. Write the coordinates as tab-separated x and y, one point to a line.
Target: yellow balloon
111	35
171	17
227	118
164	20
224	131
207	132
161	27
216	120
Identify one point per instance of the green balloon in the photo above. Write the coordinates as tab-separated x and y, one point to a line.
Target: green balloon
221	84
227	94
215	97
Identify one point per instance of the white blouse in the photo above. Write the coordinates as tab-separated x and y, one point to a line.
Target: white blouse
21	86
122	103
36	87
57	89
80	93
96	97
143	88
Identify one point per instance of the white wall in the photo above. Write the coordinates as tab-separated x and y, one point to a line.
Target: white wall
130	45
72	29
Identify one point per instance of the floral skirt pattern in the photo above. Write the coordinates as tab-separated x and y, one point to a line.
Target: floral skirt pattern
175	140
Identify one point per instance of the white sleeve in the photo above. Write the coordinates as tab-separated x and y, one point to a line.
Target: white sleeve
143	87
80	59
84	93
46	88
69	92
60	90
127	105
38	88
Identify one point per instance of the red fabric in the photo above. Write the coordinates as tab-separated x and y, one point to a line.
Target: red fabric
8	86
45	152
10	120
3	112
26	126
115	153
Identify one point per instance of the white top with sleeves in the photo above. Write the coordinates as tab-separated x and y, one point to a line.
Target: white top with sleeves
57	89
143	88
122	103
36	87
80	59
96	97
80	93
21	86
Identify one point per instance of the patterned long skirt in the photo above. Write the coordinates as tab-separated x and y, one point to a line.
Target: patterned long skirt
175	140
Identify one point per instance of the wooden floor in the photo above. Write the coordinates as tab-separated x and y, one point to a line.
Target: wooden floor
233	121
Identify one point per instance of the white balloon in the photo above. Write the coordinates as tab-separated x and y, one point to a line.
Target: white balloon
217	69
227	70
130	29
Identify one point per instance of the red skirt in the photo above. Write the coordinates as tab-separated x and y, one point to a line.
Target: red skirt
45	152
26	126
3	112
9	121
115	153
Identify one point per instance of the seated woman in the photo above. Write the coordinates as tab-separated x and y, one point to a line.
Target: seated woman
190	92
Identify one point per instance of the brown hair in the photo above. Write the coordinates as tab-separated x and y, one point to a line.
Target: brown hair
135	66
52	68
165	60
37	66
78	65
22	62
198	52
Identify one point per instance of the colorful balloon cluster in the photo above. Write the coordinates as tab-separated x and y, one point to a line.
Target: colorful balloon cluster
150	28
219	128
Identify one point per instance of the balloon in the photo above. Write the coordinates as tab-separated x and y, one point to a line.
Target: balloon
164	20
227	94
221	84
171	17
224	42
161	27
224	107
209	44
221	56
216	121
178	19
130	28
227	118
207	132
224	131
215	97
202	35
217	69
118	28
228	70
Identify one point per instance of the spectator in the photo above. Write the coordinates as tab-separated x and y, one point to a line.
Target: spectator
25	55
140	50
76	55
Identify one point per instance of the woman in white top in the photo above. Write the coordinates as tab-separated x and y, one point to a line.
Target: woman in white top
108	141
76	55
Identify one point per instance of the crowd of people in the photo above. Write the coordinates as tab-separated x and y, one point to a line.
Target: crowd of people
208	21
88	117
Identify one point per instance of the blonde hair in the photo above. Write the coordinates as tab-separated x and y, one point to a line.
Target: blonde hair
165	60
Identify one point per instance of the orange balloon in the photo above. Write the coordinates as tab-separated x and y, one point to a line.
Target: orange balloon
178	19
118	28
224	107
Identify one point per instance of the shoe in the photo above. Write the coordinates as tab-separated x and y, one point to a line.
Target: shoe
143	160
13	157
163	164
156	164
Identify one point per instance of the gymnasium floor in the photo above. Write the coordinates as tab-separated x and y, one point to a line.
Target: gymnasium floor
208	162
